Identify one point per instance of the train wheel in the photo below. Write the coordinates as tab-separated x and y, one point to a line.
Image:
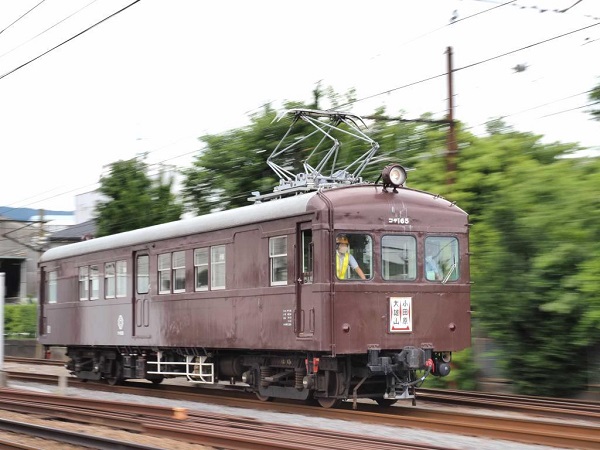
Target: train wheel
385	401
336	386
116	376
156	380
329	402
264	398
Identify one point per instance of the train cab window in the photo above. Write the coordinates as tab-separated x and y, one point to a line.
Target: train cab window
398	257
217	267
94	283
142	268
441	259
84	285
201	269
52	287
353	256
278	260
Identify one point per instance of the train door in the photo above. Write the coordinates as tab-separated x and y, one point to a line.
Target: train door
305	296
141	294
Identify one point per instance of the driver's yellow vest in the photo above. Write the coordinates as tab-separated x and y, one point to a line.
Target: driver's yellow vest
341	271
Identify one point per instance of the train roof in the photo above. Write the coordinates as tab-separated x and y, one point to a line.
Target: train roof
244	215
292	206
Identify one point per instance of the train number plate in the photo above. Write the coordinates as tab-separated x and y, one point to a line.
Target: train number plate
400	314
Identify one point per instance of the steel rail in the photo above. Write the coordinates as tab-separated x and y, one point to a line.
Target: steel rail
70	437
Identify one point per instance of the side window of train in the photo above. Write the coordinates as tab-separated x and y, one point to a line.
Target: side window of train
398	257
441	259
142	269
201	269
171	272
94	283
353	252
115	279
121	269
84	285
110	280
179	271
307	257
278	260
209	263
217	267
52	287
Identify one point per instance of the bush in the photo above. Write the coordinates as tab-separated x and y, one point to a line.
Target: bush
20	321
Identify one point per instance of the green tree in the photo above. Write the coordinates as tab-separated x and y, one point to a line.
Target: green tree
20	320
135	200
595	99
535	263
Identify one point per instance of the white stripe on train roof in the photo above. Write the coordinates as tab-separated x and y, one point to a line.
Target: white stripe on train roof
222	219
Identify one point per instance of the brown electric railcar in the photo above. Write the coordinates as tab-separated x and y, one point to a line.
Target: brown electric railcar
254	297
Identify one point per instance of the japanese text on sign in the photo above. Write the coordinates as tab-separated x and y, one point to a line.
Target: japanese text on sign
400	314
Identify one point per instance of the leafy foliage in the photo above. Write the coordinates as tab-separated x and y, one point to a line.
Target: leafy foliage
535	261
135	199
20	321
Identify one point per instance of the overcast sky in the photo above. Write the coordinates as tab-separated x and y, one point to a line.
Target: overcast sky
160	74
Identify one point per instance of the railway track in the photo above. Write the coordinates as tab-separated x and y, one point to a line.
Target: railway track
540	427
220	431
544	406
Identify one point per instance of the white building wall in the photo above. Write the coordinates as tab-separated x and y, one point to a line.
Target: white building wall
85	205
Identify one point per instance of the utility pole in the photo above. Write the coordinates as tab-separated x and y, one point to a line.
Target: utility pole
451	139
2	291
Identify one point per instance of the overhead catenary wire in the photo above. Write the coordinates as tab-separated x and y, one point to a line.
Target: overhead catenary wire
70	39
48	29
20	17
533	108
571	109
468	66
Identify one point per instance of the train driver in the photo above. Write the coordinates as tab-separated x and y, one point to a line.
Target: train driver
343	259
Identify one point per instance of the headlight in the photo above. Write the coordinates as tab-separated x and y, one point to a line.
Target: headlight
393	175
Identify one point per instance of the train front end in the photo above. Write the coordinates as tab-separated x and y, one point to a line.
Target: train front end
402	321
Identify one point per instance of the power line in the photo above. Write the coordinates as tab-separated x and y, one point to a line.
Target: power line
504	116
454	22
525	48
571	109
22	16
70	39
47	29
468	66
565	10
421	36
